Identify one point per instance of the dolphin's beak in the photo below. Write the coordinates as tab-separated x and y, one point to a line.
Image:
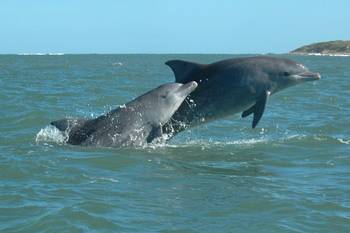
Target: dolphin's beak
307	76
189	87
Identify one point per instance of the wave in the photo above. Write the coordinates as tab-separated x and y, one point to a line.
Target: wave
328	55
117	64
50	134
95	179
204	143
40	54
343	141
252	142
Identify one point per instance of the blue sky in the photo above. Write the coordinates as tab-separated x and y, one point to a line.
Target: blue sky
169	26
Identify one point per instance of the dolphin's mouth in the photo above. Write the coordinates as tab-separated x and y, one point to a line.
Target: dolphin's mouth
189	87
307	76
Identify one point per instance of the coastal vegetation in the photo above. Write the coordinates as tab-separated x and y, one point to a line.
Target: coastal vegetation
337	47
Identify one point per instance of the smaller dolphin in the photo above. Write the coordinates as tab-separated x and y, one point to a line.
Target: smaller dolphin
135	124
231	86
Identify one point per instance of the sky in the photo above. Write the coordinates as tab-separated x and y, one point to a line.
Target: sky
169	26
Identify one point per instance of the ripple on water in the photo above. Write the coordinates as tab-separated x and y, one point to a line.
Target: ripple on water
289	176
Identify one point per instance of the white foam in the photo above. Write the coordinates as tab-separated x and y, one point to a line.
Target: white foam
329	55
95	179
117	64
50	134
203	144
343	141
40	54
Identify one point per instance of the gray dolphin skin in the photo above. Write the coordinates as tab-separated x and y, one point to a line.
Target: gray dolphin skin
233	86
135	124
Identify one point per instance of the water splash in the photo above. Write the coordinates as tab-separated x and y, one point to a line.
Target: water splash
51	134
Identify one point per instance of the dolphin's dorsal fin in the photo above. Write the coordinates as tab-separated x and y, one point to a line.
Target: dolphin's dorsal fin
258	108
183	70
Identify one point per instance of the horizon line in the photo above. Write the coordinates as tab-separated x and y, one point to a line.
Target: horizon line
87	53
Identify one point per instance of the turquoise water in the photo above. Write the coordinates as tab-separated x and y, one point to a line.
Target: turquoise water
290	174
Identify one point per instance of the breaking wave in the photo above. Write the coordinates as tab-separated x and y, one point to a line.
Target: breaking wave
40	54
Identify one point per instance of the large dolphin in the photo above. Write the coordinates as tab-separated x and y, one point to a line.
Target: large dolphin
232	86
135	124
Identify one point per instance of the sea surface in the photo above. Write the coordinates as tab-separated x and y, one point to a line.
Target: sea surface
290	174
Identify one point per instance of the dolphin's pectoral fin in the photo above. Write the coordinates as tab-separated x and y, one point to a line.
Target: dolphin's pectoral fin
183	70
258	108
248	111
156	132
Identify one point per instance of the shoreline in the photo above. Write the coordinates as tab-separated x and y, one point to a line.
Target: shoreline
321	54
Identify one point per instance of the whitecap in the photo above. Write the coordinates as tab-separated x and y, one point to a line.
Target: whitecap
40	54
329	55
95	179
343	141
204	144
117	64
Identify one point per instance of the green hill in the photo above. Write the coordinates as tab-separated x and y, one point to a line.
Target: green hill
337	47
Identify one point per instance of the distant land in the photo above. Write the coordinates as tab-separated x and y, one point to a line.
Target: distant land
329	48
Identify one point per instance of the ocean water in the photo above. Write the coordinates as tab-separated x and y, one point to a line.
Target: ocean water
290	174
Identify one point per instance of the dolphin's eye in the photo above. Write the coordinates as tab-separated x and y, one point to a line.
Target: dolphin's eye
286	73
163	96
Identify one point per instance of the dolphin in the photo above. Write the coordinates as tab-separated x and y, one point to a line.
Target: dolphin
134	124
232	86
